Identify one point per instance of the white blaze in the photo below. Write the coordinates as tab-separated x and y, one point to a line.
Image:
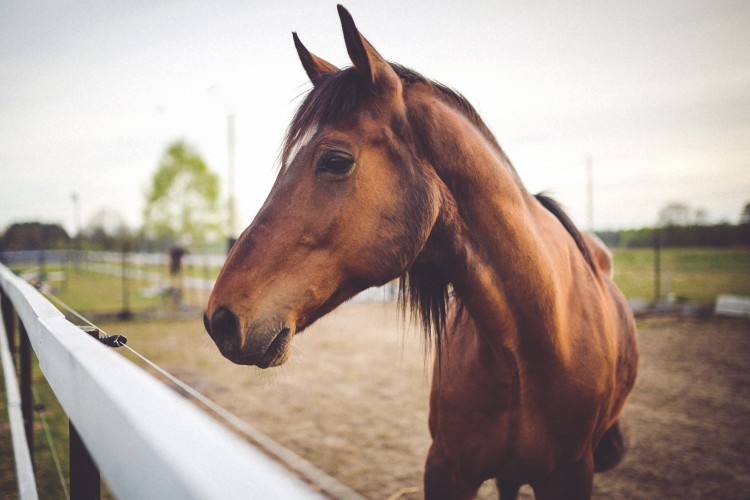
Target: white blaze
301	141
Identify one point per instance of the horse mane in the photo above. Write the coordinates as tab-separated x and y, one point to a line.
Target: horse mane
554	207
423	289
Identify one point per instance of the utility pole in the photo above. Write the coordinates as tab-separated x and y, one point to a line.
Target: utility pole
77	228
230	183
589	193
76	214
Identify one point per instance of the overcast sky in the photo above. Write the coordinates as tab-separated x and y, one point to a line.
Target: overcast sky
656	92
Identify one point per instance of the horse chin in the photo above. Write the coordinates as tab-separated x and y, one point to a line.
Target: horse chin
279	351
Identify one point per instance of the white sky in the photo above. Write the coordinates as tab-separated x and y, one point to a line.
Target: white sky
657	92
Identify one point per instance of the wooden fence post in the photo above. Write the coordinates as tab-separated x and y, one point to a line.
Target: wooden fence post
125	314
27	401
85	479
657	267
9	317
85	482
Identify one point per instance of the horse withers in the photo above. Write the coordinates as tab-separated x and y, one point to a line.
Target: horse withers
387	174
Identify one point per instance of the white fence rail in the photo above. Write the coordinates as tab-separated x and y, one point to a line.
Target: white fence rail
21	454
146	440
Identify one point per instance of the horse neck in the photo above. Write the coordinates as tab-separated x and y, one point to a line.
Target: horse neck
488	243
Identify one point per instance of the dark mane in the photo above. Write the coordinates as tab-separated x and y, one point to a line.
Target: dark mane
337	94
554	207
422	289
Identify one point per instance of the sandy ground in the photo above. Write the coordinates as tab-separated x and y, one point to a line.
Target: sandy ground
353	400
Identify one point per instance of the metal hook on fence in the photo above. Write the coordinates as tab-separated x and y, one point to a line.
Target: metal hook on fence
114	340
108	340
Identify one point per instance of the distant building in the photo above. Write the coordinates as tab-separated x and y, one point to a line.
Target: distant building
674	214
681	214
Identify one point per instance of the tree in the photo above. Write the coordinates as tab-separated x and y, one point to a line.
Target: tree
182	203
674	214
34	236
106	230
745	225
745	215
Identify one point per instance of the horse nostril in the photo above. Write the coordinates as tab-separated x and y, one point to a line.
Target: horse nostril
223	324
206	324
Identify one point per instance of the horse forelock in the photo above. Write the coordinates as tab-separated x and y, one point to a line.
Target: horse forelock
337	94
333	98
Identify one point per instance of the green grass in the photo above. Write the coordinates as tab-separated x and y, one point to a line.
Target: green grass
91	292
697	274
47	478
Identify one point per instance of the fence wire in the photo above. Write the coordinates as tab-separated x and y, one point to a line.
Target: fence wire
40	408
297	464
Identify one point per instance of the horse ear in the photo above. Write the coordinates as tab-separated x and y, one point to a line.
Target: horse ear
315	67
375	70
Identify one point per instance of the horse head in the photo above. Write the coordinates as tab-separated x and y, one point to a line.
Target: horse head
350	209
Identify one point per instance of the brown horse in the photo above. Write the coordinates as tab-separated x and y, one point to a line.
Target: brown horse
387	174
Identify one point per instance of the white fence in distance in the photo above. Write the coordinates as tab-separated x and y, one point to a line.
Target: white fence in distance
736	306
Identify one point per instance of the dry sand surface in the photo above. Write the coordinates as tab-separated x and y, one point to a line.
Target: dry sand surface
353	400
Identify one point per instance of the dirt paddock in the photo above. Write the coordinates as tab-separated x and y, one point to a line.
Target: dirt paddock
353	400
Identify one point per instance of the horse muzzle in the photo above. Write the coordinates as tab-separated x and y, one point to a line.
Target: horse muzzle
261	344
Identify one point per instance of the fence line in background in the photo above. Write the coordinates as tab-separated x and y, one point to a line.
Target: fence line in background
111	264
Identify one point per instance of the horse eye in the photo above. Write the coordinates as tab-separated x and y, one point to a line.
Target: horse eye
336	162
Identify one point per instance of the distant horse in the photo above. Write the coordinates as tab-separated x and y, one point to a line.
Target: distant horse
387	174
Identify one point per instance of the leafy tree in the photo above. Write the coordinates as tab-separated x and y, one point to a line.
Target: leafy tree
182	204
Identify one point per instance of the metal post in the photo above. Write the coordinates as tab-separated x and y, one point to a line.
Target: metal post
27	401
205	289
657	266
230	182
77	238
85	482
125	313
589	193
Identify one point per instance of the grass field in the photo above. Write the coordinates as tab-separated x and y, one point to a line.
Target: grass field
697	274
90	292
